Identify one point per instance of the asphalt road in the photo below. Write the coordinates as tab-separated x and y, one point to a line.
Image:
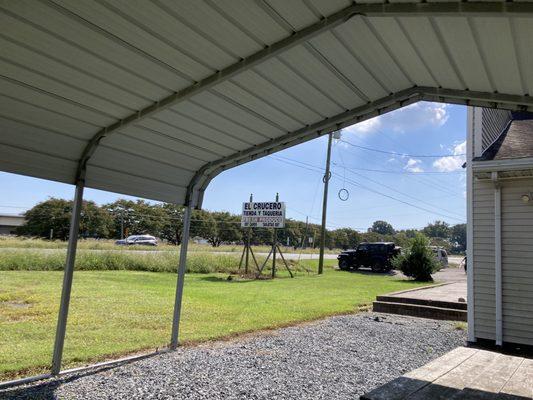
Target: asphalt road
288	256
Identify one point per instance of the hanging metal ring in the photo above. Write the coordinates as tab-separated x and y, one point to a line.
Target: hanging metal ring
328	178
343	194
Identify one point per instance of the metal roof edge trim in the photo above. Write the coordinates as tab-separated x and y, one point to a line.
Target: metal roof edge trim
509	164
373	109
203	177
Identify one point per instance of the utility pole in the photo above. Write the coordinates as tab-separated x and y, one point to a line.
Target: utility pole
305	240
248	236
274	245
324	207
122	224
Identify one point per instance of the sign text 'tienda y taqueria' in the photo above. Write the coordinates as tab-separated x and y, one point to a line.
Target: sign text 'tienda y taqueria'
268	214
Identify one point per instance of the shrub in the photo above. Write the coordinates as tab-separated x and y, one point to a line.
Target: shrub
418	262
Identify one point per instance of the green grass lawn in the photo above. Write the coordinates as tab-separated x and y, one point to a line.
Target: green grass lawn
119	312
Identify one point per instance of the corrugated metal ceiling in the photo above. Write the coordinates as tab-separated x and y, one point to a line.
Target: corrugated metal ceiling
154	98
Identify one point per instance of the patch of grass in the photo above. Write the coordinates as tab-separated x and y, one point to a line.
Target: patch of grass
460	326
118	312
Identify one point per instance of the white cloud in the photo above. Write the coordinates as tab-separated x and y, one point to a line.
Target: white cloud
415	116
369	126
452	163
413	165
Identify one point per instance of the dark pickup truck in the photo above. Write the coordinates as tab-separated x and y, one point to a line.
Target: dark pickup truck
377	256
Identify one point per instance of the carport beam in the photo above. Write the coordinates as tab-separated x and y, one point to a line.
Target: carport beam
181	277
67	279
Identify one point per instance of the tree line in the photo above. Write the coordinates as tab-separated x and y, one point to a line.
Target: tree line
51	219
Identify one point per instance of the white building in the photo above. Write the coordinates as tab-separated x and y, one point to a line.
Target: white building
9	223
500	229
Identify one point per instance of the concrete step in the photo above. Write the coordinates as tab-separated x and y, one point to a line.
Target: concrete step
423	302
418	310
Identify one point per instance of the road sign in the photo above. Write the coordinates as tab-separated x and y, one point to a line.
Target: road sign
267	214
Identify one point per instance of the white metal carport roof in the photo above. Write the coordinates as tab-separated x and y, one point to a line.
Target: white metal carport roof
155	98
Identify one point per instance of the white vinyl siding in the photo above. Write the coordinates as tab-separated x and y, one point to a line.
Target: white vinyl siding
517	262
484	298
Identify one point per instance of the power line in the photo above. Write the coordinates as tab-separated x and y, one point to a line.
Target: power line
374	181
400	154
402	193
419	176
311	167
388	171
424	180
357	184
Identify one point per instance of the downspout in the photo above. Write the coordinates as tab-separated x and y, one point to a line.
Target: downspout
470	225
498	257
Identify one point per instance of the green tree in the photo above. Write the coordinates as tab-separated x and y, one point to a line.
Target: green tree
95	221
402	240
53	217
458	236
410	233
226	229
172	228
382	227
438	229
202	223
340	238
418	262
136	217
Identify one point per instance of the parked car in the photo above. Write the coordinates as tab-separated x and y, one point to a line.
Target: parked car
441	255
144	240
376	255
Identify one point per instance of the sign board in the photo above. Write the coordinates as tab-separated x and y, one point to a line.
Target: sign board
267	214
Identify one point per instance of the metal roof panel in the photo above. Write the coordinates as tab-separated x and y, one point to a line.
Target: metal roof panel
462	44
429	53
69	27
362	78
161	95
303	60
206	19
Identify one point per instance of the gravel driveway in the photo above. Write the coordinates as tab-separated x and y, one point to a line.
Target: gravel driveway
336	358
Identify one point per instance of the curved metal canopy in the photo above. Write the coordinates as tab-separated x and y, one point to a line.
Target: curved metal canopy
154	99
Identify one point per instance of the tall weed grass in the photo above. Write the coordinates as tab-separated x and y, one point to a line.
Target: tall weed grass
54	260
165	261
21	242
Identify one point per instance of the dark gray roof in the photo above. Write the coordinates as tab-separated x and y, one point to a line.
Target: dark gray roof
516	141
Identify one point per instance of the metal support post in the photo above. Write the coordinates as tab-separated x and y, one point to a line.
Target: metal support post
181	277
67	279
248	238
274	242
325	207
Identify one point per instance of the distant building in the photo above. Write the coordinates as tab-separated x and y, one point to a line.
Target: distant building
9	223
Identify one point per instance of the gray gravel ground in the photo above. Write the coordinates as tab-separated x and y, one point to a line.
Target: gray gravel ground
336	358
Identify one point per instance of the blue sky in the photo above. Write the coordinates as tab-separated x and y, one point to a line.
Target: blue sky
416	189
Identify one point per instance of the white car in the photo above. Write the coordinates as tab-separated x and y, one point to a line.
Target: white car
441	255
143	240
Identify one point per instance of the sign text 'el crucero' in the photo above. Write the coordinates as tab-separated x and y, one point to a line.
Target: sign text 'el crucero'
268	214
